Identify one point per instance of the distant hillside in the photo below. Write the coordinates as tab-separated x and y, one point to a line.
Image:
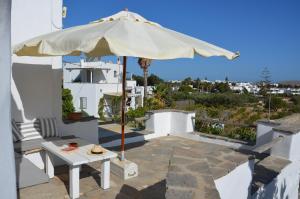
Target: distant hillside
290	82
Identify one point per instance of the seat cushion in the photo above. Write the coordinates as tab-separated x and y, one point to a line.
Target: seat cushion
28	145
16	131
27	174
48	127
30	130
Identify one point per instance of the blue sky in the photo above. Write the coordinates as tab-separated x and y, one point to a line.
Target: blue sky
266	32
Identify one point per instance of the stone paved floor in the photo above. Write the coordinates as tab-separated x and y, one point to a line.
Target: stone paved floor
153	160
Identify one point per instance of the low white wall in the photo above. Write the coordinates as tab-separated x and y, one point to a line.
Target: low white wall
284	186
237	183
166	122
140	138
87	130
264	133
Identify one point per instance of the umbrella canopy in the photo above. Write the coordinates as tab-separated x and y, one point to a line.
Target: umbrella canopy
123	34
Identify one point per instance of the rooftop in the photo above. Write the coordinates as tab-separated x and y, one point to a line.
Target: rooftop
288	124
197	156
188	168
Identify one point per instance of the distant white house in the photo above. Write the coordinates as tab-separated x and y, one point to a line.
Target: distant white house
89	81
240	86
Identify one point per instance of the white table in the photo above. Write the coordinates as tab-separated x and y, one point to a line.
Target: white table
75	159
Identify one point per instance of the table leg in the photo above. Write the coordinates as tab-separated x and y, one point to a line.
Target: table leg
105	174
49	165
74	181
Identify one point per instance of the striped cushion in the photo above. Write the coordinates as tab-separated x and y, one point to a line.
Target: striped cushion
48	127
30	130
16	131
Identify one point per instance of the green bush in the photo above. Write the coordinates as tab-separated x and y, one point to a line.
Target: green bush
154	103
185	89
223	99
253	118
132	114
67	103
243	133
101	109
276	103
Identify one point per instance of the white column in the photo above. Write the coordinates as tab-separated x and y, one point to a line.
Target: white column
7	161
49	165
105	174
74	181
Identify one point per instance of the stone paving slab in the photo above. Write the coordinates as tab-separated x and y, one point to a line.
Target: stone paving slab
153	158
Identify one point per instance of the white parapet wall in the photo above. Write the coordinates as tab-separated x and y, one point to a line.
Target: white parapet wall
285	185
237	183
167	122
87	130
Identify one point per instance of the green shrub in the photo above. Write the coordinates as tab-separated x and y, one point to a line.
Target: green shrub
276	103
228	100
243	133
154	103
67	103
185	89
132	114
253	118
101	109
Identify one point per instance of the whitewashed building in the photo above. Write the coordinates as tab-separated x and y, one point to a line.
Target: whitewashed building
89	81
240	86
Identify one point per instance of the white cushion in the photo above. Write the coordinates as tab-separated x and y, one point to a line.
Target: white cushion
30	130
48	127
16	131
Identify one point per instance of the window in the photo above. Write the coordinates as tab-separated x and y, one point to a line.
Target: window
83	103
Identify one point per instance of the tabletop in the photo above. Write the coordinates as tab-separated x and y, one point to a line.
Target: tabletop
79	156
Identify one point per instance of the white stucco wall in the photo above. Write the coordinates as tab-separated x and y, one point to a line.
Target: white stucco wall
7	163
37	82
236	184
170	122
93	92
264	133
31	18
284	186
32	92
288	148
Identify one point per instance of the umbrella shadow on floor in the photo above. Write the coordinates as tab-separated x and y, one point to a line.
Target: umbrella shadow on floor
155	191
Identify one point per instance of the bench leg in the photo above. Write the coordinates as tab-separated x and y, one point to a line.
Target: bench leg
105	174
74	181
49	165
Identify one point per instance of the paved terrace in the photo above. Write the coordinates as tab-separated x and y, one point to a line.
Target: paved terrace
189	166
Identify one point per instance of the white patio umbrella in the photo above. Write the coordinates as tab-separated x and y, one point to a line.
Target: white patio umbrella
123	34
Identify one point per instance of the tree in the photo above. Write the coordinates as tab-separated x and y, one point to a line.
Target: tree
67	103
187	81
265	81
221	87
139	80
226	79
185	88
264	85
154	80
144	64
266	76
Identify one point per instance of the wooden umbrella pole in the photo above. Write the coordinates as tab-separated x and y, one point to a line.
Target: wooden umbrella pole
123	108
